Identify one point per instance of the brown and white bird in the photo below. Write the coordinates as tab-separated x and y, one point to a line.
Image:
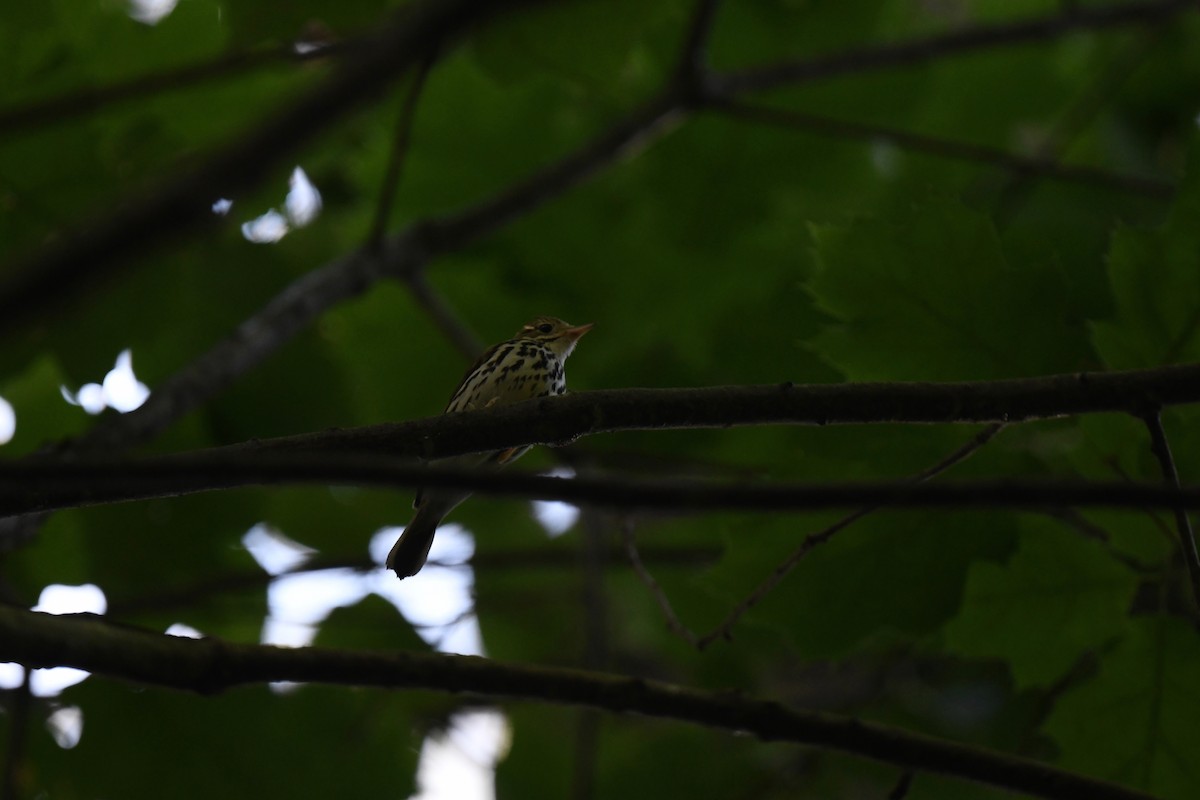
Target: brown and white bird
526	366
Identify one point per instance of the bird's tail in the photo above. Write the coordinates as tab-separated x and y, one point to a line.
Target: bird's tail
411	550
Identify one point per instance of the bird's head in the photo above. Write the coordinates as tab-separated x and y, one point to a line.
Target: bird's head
559	336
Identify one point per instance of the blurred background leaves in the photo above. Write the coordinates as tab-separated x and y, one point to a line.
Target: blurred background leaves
730	252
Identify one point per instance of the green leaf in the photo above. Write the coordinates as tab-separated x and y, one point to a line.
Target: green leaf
1135	722
251	738
1059	596
1155	277
369	624
42	415
928	294
885	575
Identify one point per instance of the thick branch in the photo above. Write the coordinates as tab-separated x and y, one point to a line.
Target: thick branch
48	485
560	419
210	665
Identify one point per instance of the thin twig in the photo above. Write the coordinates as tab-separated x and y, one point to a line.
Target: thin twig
1187	538
399	151
814	540
1040	166
656	591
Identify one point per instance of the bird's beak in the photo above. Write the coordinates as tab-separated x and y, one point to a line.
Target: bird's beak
578	331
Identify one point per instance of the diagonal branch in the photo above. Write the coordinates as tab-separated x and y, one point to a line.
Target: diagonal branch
72	104
1017	188
970	40
693	60
1187	538
213	665
644	125
444	317
1039	166
287	314
725	629
656	591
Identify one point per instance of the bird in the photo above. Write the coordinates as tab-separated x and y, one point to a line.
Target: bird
528	365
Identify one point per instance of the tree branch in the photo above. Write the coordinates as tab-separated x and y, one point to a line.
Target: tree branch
312	457
80	102
1040	166
395	166
211	665
48	485
1187	538
561	419
651	121
692	70
445	318
970	40
1015	191
285	316
656	591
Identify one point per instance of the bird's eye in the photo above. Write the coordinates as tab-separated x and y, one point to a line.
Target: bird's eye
545	327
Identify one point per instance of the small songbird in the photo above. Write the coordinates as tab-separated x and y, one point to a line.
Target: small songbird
526	366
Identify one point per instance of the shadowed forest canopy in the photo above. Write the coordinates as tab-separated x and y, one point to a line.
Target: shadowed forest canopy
247	251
